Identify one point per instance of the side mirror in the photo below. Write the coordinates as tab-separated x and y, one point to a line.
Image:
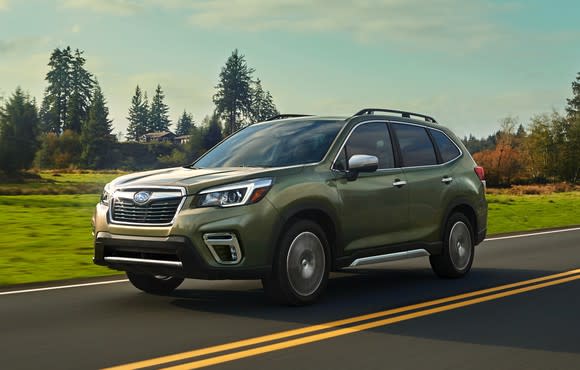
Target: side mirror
361	163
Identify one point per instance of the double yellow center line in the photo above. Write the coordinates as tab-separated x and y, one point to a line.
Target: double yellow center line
362	322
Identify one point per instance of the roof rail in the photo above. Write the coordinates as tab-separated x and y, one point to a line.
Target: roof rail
402	113
282	116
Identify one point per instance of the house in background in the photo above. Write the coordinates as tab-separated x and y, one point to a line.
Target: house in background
164	137
184	139
161	137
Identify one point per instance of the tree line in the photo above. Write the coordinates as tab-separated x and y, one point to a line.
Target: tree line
547	150
71	127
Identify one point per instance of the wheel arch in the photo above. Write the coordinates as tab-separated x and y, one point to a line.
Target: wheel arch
464	207
317	212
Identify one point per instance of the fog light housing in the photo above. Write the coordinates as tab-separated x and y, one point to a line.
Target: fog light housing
224	247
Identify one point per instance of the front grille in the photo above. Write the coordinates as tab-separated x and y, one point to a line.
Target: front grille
155	212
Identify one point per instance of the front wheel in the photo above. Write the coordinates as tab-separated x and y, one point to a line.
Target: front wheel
154	284
458	249
301	265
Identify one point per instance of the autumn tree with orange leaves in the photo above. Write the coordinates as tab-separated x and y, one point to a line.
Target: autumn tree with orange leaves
503	163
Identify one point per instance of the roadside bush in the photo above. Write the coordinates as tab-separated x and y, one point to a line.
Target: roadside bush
177	158
62	151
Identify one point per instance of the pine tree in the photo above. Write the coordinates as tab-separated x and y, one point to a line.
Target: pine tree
80	86
96	135
184	124
68	94
57	91
159	113
233	98
262	106
138	116
18	131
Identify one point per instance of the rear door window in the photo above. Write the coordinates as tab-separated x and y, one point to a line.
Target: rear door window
447	149
415	144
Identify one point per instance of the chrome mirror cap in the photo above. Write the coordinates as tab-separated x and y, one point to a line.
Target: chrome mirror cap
363	163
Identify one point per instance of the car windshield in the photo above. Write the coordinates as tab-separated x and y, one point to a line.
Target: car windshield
274	144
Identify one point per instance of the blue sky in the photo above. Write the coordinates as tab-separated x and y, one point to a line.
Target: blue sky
468	63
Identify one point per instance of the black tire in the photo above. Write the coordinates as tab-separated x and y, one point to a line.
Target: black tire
154	284
458	248
301	265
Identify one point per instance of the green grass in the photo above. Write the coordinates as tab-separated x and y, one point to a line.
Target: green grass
48	237
509	213
78	177
53	183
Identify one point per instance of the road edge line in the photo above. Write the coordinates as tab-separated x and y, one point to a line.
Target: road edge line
531	234
32	290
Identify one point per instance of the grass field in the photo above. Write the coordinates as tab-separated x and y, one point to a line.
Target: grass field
48	237
528	212
56	182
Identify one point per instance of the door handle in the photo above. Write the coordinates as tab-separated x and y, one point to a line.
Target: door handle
398	183
447	179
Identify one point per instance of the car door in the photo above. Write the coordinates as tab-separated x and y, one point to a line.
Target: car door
427	181
374	210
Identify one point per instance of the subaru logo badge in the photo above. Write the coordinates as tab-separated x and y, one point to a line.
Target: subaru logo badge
141	197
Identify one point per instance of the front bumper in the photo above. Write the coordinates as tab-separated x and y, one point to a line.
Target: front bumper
173	255
180	249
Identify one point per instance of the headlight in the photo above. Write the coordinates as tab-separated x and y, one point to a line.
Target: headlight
240	193
106	196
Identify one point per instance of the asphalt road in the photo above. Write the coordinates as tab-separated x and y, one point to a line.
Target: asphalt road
525	325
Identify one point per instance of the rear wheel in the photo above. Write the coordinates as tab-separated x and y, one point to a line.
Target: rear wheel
301	266
458	249
154	284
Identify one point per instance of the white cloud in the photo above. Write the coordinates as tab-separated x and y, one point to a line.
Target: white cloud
447	23
434	24
115	7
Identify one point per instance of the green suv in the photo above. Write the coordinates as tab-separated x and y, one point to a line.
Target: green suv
293	198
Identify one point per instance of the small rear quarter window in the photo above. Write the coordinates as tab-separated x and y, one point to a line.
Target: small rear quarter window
447	149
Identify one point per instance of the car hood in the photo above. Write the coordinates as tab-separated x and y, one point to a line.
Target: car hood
193	179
